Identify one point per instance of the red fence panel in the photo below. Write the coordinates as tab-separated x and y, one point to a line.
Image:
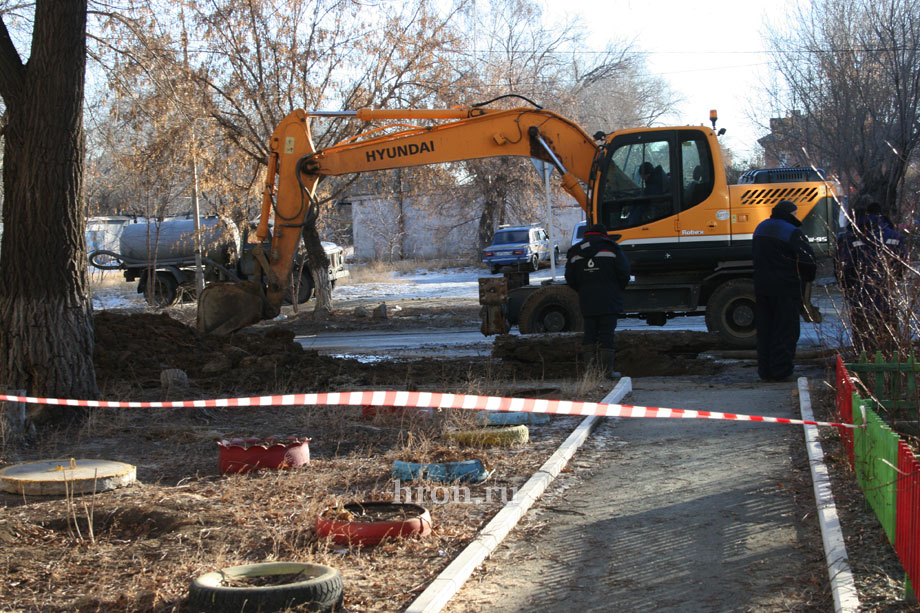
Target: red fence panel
845	390
907	533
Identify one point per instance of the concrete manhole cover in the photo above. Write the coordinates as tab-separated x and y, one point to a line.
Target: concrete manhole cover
53	477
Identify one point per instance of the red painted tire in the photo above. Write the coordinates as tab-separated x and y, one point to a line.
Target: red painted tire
350	530
243	456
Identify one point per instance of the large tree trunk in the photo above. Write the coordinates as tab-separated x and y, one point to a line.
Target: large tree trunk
46	327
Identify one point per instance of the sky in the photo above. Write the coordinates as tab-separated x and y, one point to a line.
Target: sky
711	53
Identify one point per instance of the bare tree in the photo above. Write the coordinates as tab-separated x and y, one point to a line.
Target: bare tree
850	89
514	60
256	60
46	329
617	91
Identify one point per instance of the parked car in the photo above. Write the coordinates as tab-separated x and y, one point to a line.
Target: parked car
579	231
520	246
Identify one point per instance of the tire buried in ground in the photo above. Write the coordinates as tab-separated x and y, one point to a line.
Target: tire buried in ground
260	587
366	524
511	418
244	456
465	471
501	436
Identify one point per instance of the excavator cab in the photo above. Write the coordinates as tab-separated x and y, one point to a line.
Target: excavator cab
655	189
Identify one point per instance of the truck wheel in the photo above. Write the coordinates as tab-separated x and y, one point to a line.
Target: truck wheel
552	308
304	290
165	290
730	313
495	268
535	262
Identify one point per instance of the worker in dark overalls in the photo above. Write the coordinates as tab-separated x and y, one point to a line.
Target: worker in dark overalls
598	270
783	263
871	258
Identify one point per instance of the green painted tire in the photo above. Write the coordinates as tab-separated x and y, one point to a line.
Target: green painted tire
504	436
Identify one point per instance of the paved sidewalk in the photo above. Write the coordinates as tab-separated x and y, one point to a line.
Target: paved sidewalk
669	515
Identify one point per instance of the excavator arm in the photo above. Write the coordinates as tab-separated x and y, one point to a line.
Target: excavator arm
295	168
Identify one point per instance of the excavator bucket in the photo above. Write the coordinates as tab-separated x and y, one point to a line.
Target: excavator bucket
224	308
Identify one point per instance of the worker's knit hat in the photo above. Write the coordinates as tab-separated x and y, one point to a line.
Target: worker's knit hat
785	210
785	207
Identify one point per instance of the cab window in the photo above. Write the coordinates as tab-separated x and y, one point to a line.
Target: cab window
696	169
636	187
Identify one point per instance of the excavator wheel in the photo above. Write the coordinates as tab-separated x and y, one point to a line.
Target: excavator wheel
224	308
730	313
552	308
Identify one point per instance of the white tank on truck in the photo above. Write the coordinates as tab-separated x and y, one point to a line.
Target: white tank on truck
174	238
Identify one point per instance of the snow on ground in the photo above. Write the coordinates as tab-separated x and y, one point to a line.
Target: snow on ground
421	283
111	292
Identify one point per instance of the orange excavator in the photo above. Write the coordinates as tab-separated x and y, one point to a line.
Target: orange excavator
661	192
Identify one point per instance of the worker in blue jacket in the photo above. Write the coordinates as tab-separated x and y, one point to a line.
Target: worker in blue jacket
598	270
783	264
870	263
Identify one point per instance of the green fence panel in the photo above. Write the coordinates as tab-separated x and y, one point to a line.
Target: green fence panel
893	383
876	451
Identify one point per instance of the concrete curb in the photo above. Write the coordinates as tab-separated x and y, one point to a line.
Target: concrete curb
452	578
843	588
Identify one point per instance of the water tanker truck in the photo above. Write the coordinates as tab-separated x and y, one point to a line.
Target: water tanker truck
161	257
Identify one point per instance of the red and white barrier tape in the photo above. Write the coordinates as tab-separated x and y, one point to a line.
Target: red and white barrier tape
432	400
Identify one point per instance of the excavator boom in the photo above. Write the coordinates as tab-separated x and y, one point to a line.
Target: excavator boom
296	166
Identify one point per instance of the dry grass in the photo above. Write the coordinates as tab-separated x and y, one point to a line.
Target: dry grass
139	548
108	278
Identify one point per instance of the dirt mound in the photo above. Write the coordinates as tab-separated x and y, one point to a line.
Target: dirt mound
133	349
651	353
136	348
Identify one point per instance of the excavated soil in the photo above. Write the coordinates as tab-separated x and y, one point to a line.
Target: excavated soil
133	349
